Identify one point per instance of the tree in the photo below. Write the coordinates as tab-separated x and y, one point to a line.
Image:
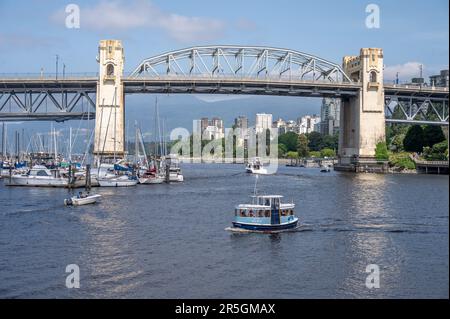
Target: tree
314	154
282	150
302	145
432	134
414	139
327	152
397	142
330	141
289	140
381	152
315	141
292	155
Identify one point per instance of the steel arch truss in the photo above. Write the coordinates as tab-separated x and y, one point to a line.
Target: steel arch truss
233	62
46	105
415	110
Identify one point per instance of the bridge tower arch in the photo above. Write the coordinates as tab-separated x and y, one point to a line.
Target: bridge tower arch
362	117
110	103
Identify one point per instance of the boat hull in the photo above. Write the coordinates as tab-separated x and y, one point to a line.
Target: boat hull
268	227
261	171
117	183
75	201
151	180
41	182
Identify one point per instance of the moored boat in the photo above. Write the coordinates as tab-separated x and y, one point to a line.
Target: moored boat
117	181
39	175
151	176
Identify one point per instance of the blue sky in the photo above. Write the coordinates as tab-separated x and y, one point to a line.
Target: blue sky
411	33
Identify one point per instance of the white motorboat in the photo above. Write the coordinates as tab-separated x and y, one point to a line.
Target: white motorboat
255	166
117	181
39	175
175	173
82	199
325	169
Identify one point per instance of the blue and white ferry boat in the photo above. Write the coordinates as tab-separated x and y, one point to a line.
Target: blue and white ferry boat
266	213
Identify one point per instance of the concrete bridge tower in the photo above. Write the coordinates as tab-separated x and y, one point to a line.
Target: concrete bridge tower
110	107
362	122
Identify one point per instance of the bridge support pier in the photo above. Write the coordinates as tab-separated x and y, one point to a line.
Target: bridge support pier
362	122
110	106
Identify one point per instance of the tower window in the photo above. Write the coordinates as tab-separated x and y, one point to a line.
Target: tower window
373	77
110	70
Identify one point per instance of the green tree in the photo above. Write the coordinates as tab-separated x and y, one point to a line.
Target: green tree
432	134
438	152
302	145
289	140
315	141
396	143
282	150
327	152
315	154
414	139
292	155
381	151
330	141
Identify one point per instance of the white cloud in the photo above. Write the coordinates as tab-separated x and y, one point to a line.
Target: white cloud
120	15
405	71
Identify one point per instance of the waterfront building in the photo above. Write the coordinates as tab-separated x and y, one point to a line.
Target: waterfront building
209	130
263	122
440	80
330	115
306	124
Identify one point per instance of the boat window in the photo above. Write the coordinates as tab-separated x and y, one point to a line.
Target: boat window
267	202
250	213
260	213
283	212
267	213
41	173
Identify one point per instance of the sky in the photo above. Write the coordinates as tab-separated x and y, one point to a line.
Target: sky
411	33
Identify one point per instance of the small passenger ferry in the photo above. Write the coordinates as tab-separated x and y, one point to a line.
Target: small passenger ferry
266	213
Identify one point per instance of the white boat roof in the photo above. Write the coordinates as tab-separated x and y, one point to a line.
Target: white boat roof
267	196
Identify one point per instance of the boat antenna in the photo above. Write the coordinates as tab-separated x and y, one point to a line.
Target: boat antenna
255	191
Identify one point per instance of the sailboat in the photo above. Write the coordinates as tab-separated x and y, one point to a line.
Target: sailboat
150	175
114	175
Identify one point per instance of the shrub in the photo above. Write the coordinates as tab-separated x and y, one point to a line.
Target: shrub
381	151
401	160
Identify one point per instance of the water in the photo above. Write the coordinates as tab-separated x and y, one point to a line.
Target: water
169	241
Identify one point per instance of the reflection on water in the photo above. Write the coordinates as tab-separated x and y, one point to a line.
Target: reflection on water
168	241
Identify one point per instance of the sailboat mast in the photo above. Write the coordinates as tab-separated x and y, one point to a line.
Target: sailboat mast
3	141
70	144
136	144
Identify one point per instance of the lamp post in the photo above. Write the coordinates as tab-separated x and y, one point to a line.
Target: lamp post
57	60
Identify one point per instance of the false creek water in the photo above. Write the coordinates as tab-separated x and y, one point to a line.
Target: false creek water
169	241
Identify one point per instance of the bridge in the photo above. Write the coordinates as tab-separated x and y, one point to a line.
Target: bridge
367	102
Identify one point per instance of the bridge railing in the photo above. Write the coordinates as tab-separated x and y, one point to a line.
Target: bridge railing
424	86
48	76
